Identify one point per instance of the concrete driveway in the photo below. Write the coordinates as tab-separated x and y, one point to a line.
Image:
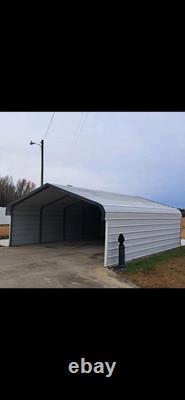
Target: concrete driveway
68	265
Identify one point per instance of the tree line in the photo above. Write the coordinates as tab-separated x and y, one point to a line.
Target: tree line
10	192
182	211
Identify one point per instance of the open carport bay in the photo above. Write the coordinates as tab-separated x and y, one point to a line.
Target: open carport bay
57	265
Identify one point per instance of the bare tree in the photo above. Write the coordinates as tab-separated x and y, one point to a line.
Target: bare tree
10	192
7	190
24	187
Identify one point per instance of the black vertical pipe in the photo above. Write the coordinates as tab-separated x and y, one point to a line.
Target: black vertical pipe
42	162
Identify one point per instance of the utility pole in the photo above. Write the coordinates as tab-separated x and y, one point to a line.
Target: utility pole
42	162
41	144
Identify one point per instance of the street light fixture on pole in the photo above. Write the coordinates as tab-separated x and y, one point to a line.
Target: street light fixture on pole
41	144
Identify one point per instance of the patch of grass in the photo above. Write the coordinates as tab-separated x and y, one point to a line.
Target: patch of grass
149	263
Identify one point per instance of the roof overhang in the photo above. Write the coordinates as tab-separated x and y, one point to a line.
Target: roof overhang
46	195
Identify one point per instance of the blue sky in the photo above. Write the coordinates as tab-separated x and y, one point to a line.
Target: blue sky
134	153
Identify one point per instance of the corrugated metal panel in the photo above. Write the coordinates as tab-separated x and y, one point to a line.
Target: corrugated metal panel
114	216
4	219
53	219
25	230
118	202
52	223
113	260
82	222
143	236
73	223
135	239
138	254
51	228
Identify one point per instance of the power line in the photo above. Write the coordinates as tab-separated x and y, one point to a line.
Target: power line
81	125
80	129
49	125
77	131
80	122
86	115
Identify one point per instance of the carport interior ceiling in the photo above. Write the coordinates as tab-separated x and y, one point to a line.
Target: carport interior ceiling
56	213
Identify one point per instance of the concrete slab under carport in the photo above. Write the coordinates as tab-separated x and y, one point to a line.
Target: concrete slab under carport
57	265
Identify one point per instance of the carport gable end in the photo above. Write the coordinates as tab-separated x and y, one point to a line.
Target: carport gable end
53	212
39	217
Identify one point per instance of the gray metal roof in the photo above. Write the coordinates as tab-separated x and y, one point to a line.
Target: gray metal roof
117	201
111	202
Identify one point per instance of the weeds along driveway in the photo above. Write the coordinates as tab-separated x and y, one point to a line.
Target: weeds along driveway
71	265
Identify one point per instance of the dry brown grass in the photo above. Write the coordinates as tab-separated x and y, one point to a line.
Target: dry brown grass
183	228
4	231
168	275
161	270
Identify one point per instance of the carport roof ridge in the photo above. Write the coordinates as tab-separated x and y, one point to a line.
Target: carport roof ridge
111	202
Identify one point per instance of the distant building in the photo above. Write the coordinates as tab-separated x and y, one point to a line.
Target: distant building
4	223
4	219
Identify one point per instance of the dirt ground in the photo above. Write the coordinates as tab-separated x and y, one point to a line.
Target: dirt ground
4	231
168	275
183	228
69	265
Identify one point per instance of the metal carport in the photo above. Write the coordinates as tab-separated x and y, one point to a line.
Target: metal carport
56	213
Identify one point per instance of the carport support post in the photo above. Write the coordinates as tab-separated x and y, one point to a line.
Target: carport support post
121	251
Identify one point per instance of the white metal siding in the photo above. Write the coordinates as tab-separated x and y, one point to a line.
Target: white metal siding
144	234
4	219
25	229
